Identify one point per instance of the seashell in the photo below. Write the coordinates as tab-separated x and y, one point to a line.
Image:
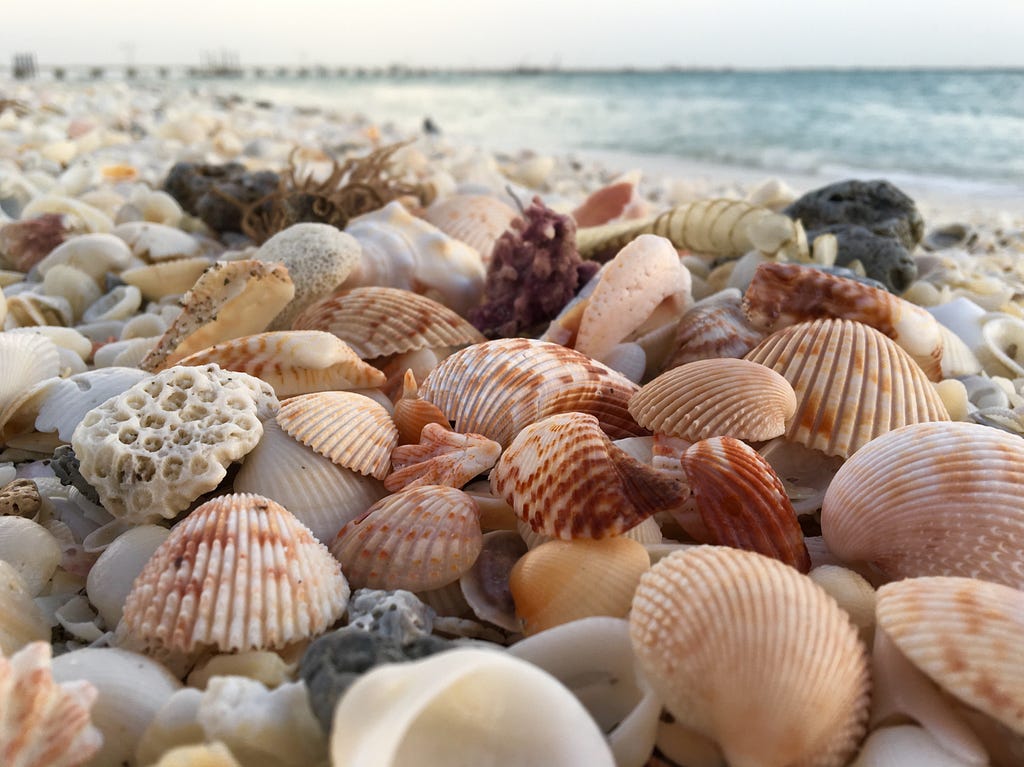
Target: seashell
43	723
146	325
214	754
402	251
742	502
485	586
26	360
852	384
94	254
960	632
805	473
442	457
498	387
73	285
629	359
714	327
853	593
155	205
220	306
954	398
904	745
320	494
157	242
292	361
350	429
267	668
716	397
30	549
539	475
477	220
427	712
419	539
83	217
66	402
21	619
562	581
412	412
110	579
618	200
1002	349
28	308
932	499
495	513
705	617
128	353
963	317
291	590
19	498
166	278
379	321
781	295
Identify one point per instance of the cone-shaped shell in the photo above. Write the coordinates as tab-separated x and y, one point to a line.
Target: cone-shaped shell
378	321
238	573
412	412
716	398
852	384
965	634
932	499
566	479
742	501
498	387
714	327
419	539
751	653
478	220
293	361
442	457
352	430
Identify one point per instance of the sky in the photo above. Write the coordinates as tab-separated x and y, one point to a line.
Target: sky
482	33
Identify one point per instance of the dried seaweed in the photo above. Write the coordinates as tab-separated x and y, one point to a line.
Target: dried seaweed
356	186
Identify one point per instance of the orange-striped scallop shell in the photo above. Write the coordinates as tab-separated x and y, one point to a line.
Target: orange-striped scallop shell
476	219
442	457
852	384
714	327
716	398
419	539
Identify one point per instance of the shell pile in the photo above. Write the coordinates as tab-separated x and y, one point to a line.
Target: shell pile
280	502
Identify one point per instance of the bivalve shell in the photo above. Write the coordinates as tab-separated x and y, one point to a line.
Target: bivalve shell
26	359
21	619
412	412
478	220
714	327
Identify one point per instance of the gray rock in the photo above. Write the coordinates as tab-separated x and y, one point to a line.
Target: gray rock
65	465
395	615
884	258
215	193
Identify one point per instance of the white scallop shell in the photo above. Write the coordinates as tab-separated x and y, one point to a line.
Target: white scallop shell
66	403
26	360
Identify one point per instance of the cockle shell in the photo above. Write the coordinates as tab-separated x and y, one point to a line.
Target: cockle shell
197	592
714	327
421	538
42	723
725	638
565	478
477	220
932	499
716	398
379	321
350	429
442	457
498	387
412	412
26	360
852	384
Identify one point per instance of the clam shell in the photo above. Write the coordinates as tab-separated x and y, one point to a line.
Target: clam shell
477	220
378	321
716	398
932	499
854	594
412	412
540	475
725	638
66	403
110	579
238	573
714	327
419	539
21	620
485	586
498	387
442	457
350	429
26	359
852	384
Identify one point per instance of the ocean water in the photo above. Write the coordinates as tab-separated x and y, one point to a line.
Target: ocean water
945	128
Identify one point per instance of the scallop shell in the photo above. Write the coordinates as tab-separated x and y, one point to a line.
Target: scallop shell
197	592
716	398
412	412
714	327
378	321
962	633
753	654
563	581
167	278
498	387
42	723
932	499
442	457
21	619
26	359
852	384
565	478
350	429
477	220
419	539
293	361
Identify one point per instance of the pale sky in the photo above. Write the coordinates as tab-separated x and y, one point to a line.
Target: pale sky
479	33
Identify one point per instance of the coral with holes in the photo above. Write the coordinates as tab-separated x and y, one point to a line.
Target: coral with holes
155	448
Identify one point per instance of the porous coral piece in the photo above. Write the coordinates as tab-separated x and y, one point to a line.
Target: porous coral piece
442	457
396	614
154	449
535	270
23	244
19	498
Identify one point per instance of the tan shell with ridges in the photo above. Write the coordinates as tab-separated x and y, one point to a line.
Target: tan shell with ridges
716	398
442	457
749	652
714	327
478	220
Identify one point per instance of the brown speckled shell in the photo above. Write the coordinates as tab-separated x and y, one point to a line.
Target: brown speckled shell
714	327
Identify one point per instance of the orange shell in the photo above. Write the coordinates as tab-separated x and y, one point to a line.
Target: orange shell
412	412
714	327
478	220
852	384
716	398
442	457
419	539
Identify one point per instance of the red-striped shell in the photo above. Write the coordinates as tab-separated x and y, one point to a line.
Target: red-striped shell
714	327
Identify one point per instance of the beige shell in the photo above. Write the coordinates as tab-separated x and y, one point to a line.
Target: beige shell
753	654
716	398
26	360
378	321
565	478
714	327
852	384
478	220
562	581
742	502
42	723
412	412
964	634
65	404
442	457
419	539
350	429
932	499
238	573
21	619
110	579
498	387
167	278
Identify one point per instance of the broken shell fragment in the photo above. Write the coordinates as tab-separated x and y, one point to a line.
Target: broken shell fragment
442	457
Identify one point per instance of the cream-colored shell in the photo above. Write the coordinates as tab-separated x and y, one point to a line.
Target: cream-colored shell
167	278
94	254
26	359
66	402
905	745
110	579
476	219
441	457
21	619
157	242
31	549
72	284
